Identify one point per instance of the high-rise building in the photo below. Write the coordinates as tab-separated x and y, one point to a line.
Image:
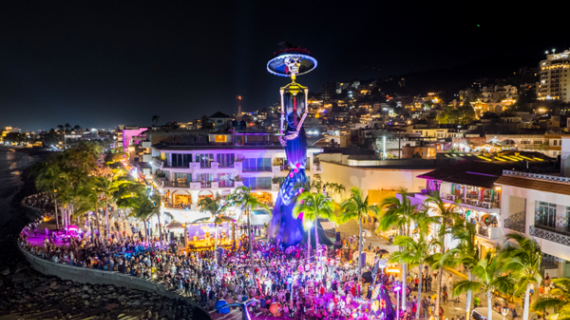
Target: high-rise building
555	77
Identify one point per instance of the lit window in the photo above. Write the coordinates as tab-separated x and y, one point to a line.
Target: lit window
219	138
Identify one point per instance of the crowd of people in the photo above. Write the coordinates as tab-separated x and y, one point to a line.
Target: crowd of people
285	281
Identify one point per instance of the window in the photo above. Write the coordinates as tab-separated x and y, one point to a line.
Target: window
225	180
205	179
182	179
180	160
225	160
257	164
554	142
258	183
545	214
220	138
205	160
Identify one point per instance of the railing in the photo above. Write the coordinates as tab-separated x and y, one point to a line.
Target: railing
536	176
158	162
175	184
226	184
178	205
489	232
539	232
516	222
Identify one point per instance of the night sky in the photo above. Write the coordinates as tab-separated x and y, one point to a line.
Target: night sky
100	64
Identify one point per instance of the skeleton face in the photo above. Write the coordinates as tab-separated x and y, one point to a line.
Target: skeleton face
293	64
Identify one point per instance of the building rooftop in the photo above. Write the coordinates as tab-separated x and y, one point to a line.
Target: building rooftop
219	115
473	173
535	183
214	146
402	164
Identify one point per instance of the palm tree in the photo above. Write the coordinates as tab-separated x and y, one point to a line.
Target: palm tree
357	207
143	209
60	127
49	179
67	127
399	215
448	218
313	206
105	187
466	253
559	300
90	202
155	119
156	206
523	257
76	128
216	210
206	122
243	198
488	278
415	251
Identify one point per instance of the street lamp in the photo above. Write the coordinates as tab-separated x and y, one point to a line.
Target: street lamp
505	311
397	288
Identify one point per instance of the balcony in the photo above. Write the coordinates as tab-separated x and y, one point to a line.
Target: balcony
470	202
170	205
516	222
316	168
550	234
157	162
491	233
176	184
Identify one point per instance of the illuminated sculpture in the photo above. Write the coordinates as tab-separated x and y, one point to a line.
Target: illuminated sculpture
291	62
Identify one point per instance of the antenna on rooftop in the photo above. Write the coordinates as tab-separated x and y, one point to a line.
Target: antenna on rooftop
239	107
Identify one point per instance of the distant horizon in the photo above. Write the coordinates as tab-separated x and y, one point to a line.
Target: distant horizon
111	62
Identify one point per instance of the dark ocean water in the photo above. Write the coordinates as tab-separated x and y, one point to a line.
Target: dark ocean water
12	166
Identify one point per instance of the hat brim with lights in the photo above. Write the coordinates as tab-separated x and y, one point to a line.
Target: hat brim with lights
278	67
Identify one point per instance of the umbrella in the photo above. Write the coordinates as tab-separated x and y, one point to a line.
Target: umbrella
174	225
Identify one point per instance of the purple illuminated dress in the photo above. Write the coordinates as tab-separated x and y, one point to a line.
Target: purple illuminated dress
283	226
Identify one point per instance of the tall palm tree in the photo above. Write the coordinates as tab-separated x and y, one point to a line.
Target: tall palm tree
313	206
356	208
243	199
49	179
398	215
466	253
143	209
559	300
488	278
89	201
156	202
206	122
216	210
155	119
523	257
415	250
105	187
448	216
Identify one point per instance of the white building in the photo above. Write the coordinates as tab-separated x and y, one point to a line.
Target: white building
538	205
185	174
554	77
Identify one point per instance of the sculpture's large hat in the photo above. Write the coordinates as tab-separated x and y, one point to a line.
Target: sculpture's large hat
278	66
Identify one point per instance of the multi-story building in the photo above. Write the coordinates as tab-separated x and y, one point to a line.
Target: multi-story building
470	187
538	205
555	77
376	178
184	174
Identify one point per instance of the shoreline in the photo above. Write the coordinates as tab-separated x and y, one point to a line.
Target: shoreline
31	151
